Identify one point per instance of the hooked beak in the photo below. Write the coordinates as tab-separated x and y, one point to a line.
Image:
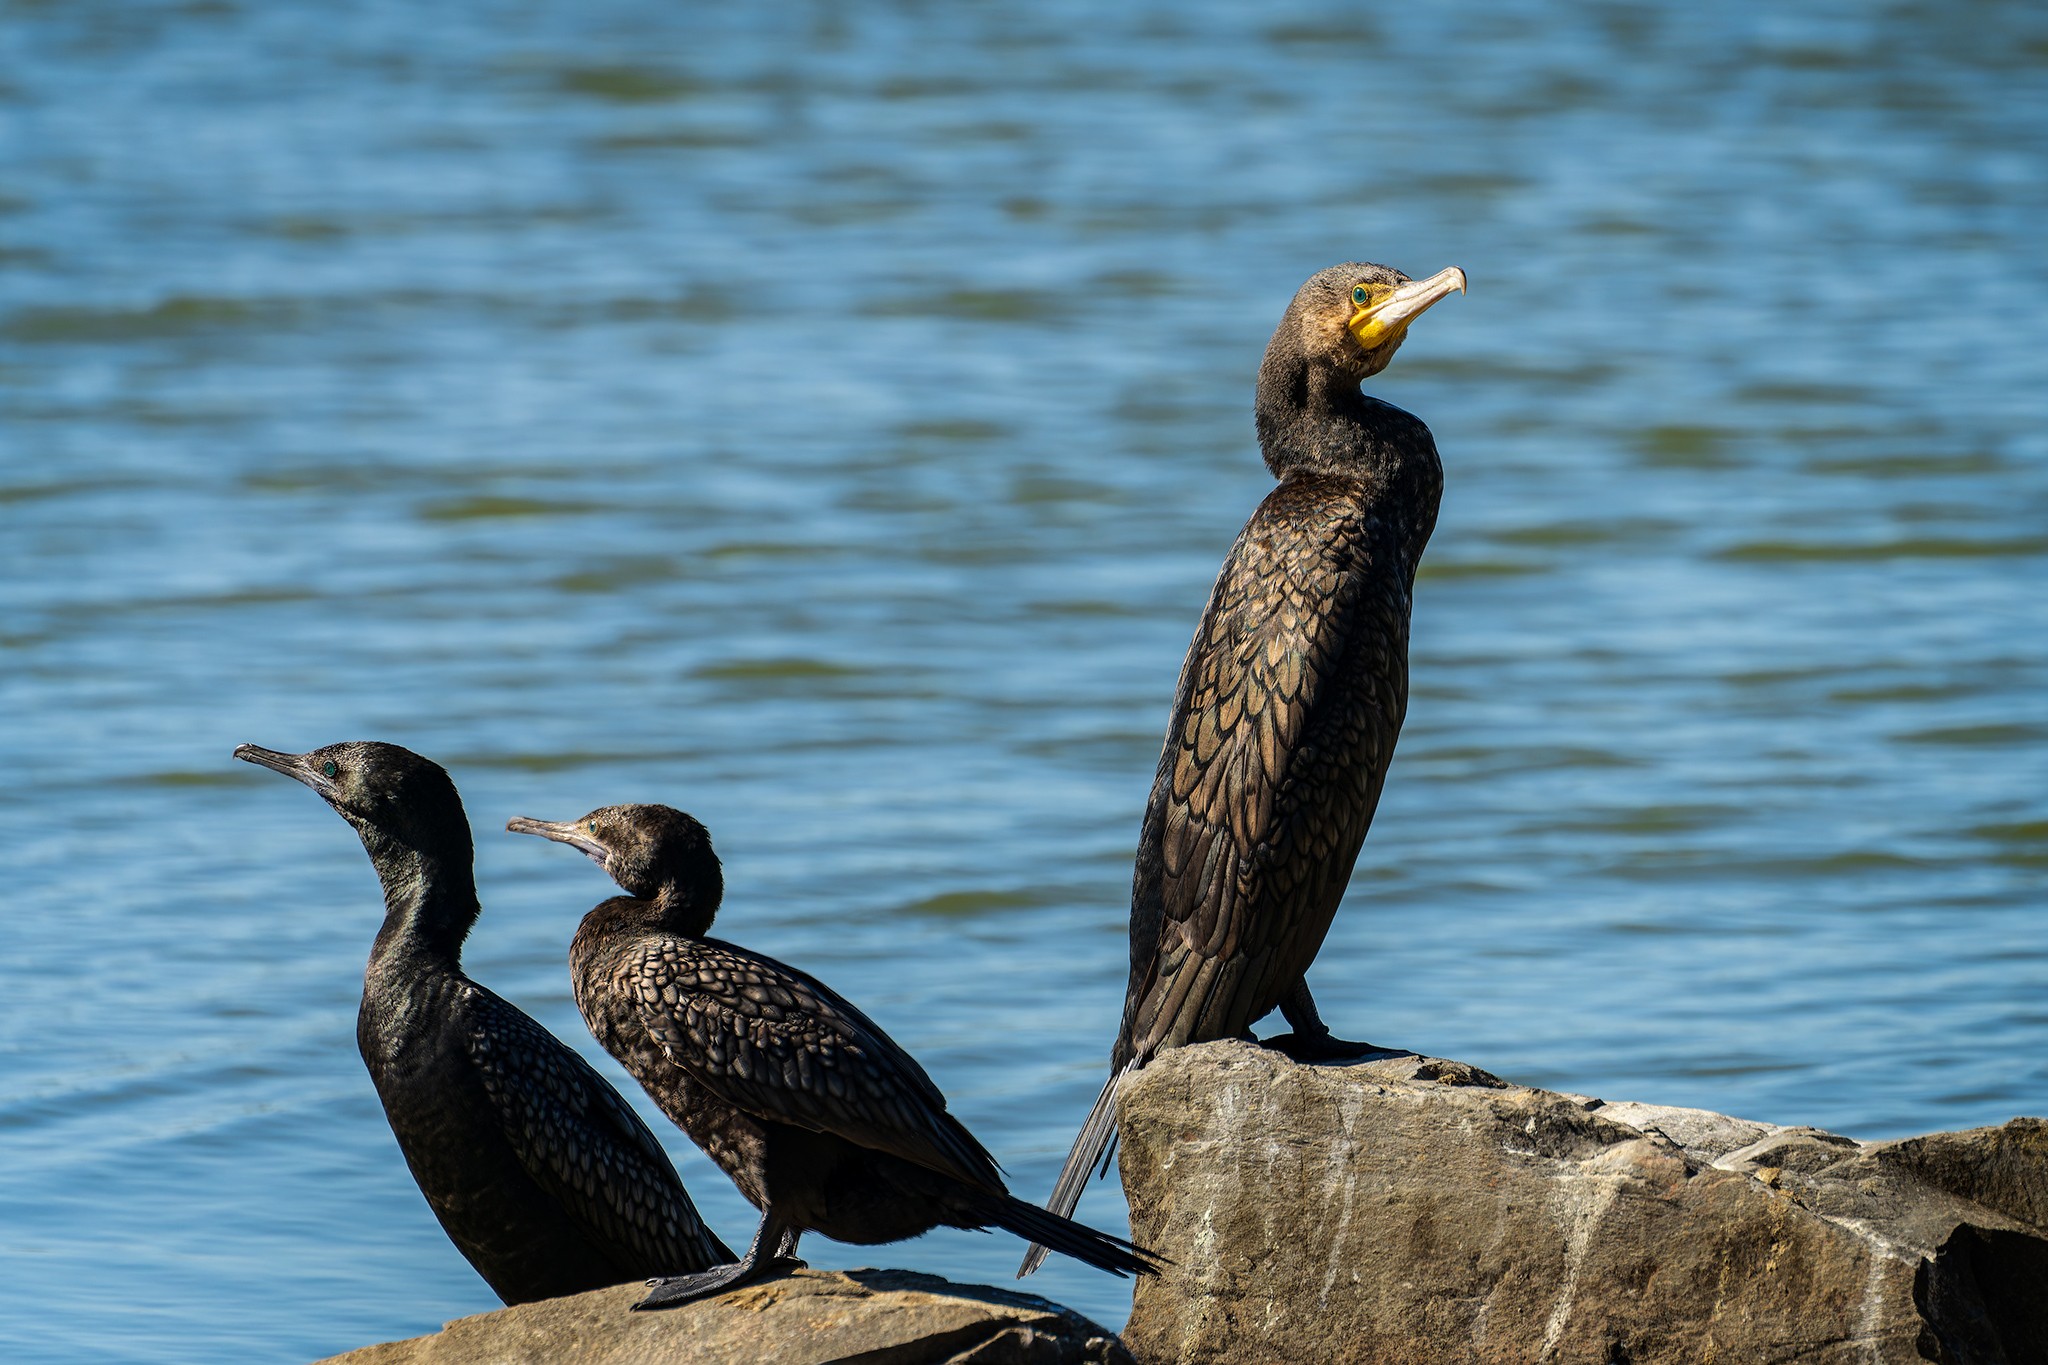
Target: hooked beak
563	832
293	766
1385	319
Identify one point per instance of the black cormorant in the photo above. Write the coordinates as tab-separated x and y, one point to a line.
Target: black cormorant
1290	699
541	1173
822	1121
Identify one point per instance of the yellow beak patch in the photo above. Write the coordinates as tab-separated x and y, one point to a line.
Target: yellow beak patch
1385	315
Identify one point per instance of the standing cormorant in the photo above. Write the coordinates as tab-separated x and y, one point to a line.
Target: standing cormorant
822	1121
1289	703
541	1174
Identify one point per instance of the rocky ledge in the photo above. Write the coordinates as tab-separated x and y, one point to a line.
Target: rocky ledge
874	1317
1414	1210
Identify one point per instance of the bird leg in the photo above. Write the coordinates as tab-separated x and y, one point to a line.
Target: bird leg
764	1257
1311	1040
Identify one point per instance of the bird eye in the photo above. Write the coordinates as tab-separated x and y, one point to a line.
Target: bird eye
592	826
1358	294
329	768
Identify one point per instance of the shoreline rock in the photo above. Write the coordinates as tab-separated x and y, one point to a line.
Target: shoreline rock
1408	1209
874	1317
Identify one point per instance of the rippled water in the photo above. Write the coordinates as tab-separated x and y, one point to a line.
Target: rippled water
831	422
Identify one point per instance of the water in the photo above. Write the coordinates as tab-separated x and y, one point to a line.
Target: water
831	423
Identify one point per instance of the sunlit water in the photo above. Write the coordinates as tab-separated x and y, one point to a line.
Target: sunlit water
831	425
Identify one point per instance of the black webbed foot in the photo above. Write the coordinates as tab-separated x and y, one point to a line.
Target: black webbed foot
674	1290
1311	1040
1326	1047
759	1263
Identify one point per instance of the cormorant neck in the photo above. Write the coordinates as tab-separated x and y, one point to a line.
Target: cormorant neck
679	910
670	910
1312	418
429	895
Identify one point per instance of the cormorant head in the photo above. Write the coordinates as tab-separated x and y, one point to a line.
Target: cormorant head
389	794
1353	317
655	852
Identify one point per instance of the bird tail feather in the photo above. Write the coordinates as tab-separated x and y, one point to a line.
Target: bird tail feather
1093	1143
1064	1235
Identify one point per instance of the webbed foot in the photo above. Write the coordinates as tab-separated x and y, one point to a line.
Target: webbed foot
673	1290
1326	1047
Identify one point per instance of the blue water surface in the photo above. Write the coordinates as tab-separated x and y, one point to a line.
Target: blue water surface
829	419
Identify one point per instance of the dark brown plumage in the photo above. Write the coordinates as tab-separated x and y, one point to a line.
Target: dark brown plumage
822	1121
1290	699
541	1174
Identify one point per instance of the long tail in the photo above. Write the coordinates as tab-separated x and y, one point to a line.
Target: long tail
1092	1145
1078	1240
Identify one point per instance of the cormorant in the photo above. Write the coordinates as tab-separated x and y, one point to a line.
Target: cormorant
822	1121
1289	701
541	1173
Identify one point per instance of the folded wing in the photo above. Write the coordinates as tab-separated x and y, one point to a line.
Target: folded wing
781	1045
583	1144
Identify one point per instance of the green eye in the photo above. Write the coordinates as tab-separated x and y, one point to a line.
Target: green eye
592	826
1358	294
329	768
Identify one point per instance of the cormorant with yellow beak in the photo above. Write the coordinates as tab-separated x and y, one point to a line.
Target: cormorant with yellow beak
1289	703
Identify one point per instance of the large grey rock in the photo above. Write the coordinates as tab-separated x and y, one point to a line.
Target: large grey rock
873	1317
1419	1211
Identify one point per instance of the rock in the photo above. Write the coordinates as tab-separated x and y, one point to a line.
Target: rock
1410	1210
874	1317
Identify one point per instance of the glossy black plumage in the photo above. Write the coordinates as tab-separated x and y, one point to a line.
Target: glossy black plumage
1290	699
822	1121
540	1173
